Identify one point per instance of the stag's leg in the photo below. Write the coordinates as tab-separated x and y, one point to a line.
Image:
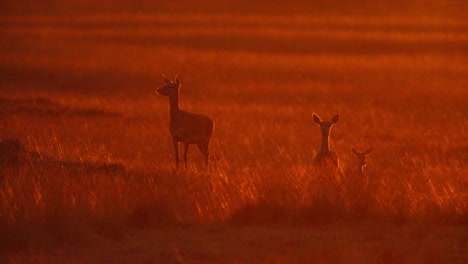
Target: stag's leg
185	154
203	146
176	148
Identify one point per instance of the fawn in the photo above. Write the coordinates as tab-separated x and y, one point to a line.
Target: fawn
357	173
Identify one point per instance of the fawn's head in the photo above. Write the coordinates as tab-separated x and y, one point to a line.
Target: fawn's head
170	88
325	126
361	156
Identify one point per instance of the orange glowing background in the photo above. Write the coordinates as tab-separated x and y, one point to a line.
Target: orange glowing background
86	160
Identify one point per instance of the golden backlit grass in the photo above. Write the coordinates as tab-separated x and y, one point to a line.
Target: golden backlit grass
96	163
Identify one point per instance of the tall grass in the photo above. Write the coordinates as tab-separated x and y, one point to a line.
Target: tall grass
96	156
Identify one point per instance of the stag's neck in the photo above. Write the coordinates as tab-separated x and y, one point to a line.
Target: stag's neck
325	145
174	106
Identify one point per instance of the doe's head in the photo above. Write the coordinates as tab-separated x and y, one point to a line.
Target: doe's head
325	125
361	156
170	88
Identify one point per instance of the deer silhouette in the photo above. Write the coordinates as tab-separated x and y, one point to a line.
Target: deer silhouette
356	173
360	160
326	156
358	186
186	127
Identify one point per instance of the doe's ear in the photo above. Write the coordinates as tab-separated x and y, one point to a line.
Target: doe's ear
317	118
354	150
335	119
368	151
166	79
177	81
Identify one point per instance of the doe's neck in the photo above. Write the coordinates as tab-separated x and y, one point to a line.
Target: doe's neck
325	144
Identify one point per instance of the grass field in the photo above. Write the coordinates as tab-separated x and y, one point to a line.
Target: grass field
87	169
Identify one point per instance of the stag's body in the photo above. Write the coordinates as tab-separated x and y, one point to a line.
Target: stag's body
186	127
326	156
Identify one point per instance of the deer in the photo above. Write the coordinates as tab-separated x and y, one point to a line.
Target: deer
358	185
326	156
185	127
360	160
327	167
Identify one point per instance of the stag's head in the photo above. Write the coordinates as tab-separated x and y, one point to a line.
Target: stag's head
170	88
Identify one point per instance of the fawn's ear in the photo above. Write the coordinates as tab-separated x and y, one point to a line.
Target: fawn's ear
368	151
354	150
166	79
335	119
317	118
177	81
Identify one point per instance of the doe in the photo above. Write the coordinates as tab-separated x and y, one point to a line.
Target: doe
326	156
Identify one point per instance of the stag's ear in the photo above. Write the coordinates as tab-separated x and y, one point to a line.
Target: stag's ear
354	150
166	79
177	81
335	119
317	118
368	151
